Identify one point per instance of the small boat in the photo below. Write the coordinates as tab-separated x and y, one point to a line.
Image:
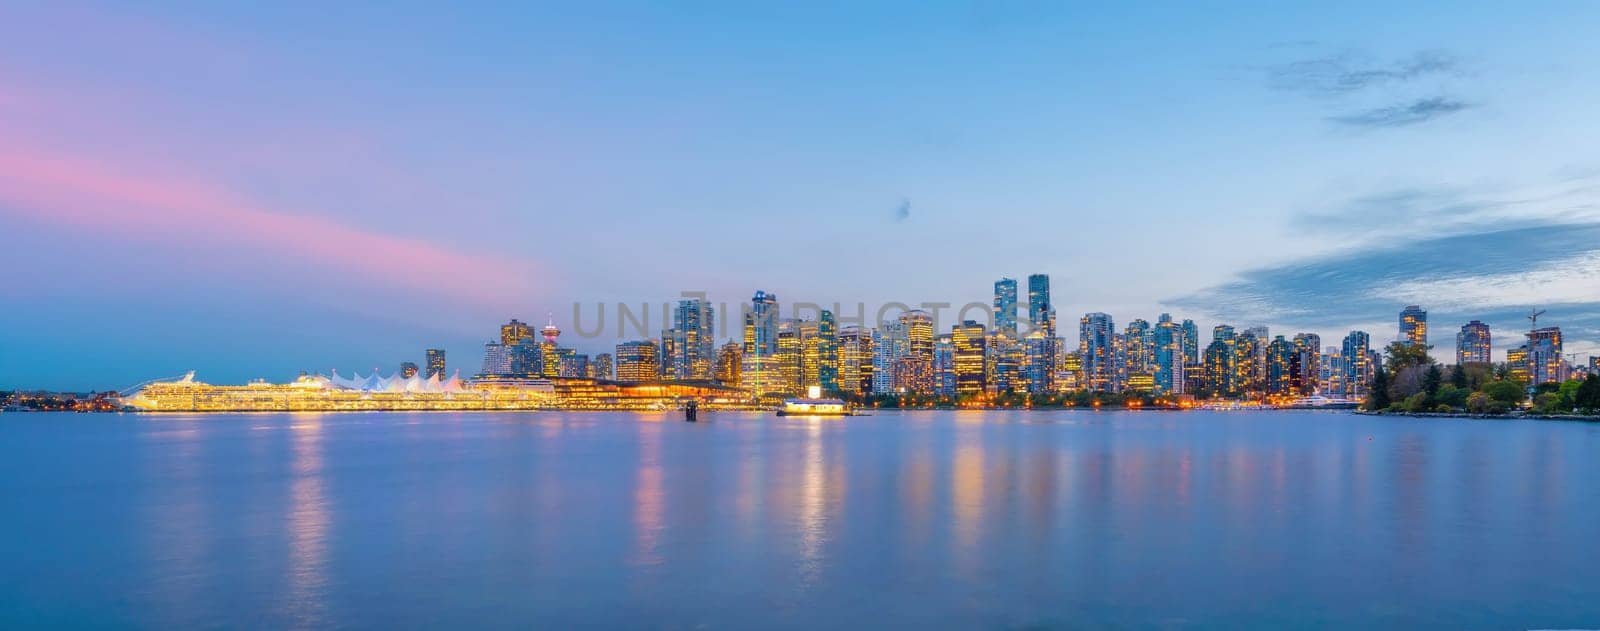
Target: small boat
814	407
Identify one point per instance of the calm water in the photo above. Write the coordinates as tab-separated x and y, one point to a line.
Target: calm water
936	519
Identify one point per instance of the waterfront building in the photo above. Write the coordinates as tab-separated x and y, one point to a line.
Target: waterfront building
791	350
1414	325
549	349
1191	342
574	365
760	372
1097	352
1069	373
693	341
1281	363
602	367
1194	377
855	360
1472	343
408	370
918	327
1219	368
1250	360
1546	363
944	365
890	342
969	357
527	358
1358	365
1167	344
1330	382
1308	363
1041	313
514	331
435	363
638	361
1038	365
496	359
1517	364
1003	365
1005	307
1139	349
730	358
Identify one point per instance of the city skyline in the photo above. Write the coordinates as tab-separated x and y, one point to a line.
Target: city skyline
251	191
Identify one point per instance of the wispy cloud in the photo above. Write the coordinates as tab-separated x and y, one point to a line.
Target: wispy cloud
1442	211
1345	73
1420	111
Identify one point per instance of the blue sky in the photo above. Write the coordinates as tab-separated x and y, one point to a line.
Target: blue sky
250	191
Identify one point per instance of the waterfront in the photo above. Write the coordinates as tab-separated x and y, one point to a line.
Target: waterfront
940	519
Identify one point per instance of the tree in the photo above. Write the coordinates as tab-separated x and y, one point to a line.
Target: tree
1379	397
1403	355
1478	403
1452	396
1458	377
1431	380
1588	396
1505	391
1547	403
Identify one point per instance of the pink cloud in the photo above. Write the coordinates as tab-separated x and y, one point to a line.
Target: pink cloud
93	196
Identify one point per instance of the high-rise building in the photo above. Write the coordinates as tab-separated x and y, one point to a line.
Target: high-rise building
1331	380
1308	363
1095	348
890	342
1220	373
970	349
527	358
819	353
855	360
1358	365
1414	325
730	358
760	372
601	367
638	361
1281	361
1191	343
574	365
408	370
918	328
1041	313
1168	341
1140	349
435	363
496	361
1038	367
1005	307
944	365
1517	364
1472	343
791	355
548	349
1003	364
693	341
1546	364
1250	360
513	331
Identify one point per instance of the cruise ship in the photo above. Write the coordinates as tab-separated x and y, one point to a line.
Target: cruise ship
814	405
334	393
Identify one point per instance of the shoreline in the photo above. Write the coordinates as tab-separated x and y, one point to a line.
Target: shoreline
1530	416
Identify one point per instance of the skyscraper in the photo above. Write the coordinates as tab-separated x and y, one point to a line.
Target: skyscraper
408	370
1219	367
548	349
759	371
638	361
1038	367
693	341
513	331
730	358
1168	343
496	361
1357	369
1140	349
1005	308
890	342
1308	363
1040	311
944	365
1095	347
527	358
602	367
969	344
435	363
1472	343
1191	343
855	360
918	327
1414	325
1281	359
1546	364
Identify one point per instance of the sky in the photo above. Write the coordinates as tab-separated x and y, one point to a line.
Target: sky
250	191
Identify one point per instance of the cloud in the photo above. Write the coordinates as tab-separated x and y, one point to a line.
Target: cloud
1573	198
1491	275
1420	111
1345	73
903	211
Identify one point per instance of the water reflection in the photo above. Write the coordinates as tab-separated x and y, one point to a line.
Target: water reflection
308	526
648	497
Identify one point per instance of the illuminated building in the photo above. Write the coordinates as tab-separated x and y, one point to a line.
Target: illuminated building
1038	365
1139	348
760	372
1594	364
1167	346
855	360
1095	348
527	358
1191	343
496	359
1003	366
1414	325
1220	372
1005	308
408	370
1472	343
435	362
730	359
969	345
693	341
944	366
549	352
1040	312
1194	378
1119	363
819	344
573	364
791	363
1281	362
912	375
1069	374
513	331
1546	364
1517	363
1358	365
890	342
601	367
1250	360
1308	363
1331	383
638	362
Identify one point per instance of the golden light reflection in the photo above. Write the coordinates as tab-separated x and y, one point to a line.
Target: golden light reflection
308	526
648	500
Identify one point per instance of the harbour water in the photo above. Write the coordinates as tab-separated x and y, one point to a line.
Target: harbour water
1289	519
